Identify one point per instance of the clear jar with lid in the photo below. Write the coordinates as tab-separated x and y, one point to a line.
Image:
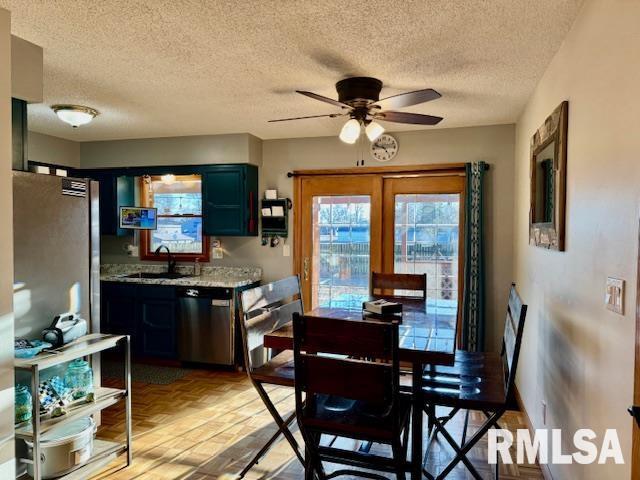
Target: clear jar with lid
79	378
24	407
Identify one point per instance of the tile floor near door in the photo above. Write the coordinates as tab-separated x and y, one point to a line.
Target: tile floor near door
209	424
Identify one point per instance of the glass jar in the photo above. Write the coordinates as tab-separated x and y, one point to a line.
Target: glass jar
79	378
24	407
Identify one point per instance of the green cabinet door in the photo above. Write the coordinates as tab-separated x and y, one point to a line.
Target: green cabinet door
230	200
115	191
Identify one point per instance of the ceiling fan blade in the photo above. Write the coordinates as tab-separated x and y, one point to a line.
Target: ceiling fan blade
404	117
331	115
323	99
407	99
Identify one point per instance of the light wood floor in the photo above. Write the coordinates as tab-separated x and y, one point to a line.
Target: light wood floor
209	424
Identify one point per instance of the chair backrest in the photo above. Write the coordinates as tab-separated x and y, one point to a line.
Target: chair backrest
357	360
382	283
265	309
512	338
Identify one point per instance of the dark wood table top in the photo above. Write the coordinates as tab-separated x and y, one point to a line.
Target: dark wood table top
425	336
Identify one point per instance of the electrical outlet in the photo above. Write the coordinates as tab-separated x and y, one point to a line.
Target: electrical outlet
286	250
216	253
544	412
614	296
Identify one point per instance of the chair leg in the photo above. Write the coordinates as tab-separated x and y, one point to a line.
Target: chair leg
400	458
258	456
464	431
279	421
461	452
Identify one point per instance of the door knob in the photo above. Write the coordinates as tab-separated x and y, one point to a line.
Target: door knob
305	269
635	413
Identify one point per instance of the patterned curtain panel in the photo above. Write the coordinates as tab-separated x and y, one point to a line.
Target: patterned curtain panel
473	307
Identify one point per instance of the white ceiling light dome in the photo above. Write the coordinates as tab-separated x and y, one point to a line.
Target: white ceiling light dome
75	115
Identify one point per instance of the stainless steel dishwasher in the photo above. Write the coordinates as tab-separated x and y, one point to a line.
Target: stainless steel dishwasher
206	332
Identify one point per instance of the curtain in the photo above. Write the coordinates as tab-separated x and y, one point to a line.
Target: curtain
473	313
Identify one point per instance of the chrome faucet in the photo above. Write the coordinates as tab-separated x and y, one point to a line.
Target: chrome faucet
171	262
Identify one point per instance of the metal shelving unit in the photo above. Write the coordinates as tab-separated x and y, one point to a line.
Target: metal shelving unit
104	451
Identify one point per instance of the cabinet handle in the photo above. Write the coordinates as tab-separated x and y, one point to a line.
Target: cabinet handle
305	269
252	226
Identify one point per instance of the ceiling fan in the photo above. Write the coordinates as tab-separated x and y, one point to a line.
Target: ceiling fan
359	97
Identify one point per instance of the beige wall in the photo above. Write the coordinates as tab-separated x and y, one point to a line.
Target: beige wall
192	150
47	149
6	255
26	70
493	144
577	356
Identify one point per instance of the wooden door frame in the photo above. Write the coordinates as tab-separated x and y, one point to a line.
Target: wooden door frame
370	185
399	171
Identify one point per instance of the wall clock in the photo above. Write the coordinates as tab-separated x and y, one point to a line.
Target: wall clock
384	148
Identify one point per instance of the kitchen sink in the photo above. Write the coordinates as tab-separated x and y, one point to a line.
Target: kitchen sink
159	275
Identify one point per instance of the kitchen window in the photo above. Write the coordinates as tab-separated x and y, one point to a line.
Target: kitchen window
178	199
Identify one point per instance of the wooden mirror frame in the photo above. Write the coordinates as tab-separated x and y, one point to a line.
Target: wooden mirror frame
551	234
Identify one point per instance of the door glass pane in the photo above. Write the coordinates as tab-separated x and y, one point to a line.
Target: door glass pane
341	246
426	241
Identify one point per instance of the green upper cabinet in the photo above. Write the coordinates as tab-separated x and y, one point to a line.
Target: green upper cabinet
115	191
229	195
230	200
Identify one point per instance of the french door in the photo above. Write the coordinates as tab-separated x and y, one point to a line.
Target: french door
340	224
350	225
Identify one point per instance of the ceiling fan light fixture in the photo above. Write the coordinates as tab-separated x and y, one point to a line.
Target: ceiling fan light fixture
350	131
374	130
75	115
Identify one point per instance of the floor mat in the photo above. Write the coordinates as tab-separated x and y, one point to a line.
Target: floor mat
140	372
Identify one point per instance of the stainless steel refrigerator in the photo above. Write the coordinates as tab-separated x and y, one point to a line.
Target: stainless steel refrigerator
56	251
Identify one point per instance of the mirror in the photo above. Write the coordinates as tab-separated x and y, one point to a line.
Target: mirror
544	186
548	179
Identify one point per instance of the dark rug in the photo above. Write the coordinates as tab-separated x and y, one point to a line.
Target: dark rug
144	373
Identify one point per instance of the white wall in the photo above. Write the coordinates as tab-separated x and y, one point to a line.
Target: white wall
6	255
47	149
577	356
493	144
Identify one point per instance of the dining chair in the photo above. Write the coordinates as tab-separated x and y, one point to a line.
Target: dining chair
265	309
382	283
348	395
481	381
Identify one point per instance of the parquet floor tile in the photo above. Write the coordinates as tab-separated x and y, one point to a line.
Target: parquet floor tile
209	424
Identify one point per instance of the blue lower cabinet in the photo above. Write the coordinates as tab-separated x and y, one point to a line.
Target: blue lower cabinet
148	313
157	326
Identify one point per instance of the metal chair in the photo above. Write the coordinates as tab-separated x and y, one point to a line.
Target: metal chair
347	395
388	283
265	309
483	382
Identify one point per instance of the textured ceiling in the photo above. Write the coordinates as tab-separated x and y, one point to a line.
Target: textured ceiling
166	68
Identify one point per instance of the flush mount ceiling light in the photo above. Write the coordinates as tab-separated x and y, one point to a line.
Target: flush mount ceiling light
75	115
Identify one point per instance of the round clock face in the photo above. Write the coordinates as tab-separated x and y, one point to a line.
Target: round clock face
384	148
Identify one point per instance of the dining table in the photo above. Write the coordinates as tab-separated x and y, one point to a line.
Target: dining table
426	337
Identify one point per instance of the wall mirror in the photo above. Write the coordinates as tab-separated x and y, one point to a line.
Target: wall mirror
548	181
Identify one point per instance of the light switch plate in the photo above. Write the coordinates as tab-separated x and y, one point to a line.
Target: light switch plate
614	296
286	250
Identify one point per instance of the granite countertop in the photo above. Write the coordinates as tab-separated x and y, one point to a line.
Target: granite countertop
225	277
